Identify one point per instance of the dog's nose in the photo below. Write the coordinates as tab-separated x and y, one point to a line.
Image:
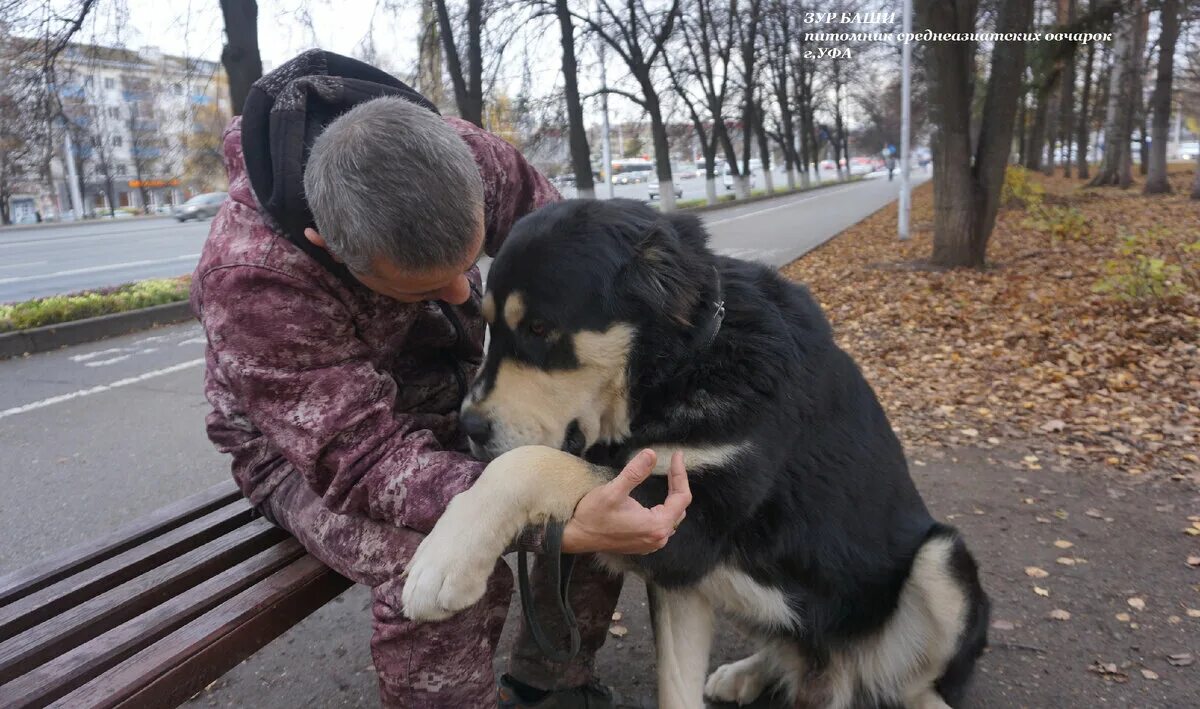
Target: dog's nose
477	426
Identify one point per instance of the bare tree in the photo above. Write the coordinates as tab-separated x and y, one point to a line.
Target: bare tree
1160	102
240	55
749	20
1083	125
468	81
707	35
778	38
638	35
145	141
581	157
1124	84
967	182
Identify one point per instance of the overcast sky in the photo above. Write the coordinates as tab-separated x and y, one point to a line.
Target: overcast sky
196	28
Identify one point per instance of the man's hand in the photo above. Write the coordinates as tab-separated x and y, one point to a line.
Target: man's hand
608	519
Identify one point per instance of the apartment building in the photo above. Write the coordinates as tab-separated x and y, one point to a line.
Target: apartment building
142	126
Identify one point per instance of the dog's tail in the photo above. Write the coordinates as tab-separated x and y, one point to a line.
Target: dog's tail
953	683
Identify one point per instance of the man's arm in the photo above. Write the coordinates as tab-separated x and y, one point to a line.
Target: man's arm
512	187
290	355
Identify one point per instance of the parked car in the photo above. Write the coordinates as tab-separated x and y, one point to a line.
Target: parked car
202	206
1188	151
652	186
729	179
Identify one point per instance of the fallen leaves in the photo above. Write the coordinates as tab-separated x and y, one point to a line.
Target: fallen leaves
1136	603
1036	572
1044	592
1025	350
1193	561
1149	674
1060	614
1063	544
1182	659
1109	671
618	631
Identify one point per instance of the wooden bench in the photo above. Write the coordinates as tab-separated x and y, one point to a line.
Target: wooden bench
150	615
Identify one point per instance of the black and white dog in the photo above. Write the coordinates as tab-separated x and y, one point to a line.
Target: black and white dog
608	335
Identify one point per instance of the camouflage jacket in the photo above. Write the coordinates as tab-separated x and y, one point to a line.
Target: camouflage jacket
357	392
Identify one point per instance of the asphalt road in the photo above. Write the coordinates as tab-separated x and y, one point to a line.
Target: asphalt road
48	260
93	436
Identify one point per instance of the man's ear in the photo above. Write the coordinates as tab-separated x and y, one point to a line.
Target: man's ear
658	276
315	238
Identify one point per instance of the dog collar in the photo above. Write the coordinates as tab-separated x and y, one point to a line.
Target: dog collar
705	337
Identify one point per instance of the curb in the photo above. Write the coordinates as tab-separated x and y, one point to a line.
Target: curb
76	222
77	332
780	193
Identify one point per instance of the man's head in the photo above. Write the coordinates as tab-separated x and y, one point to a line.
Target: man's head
397	198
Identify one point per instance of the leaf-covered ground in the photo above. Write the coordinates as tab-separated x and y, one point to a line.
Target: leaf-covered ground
1080	342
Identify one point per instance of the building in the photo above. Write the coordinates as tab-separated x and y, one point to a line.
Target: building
142	126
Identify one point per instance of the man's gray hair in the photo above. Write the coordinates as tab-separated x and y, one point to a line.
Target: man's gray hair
390	179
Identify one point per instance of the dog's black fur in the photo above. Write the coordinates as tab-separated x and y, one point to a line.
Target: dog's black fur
822	506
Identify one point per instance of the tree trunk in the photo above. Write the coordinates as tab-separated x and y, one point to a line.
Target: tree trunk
966	192
468	88
1115	168
1083	130
581	156
243	64
662	147
1160	102
1037	134
1196	179
1066	109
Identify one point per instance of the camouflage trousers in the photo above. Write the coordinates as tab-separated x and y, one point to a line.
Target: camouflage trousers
446	664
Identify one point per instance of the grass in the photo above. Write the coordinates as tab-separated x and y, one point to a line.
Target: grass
56	309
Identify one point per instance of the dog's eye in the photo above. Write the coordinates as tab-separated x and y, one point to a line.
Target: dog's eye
538	328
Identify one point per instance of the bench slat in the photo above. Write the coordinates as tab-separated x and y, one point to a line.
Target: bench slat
86	662
181	664
43	573
53	600
83	622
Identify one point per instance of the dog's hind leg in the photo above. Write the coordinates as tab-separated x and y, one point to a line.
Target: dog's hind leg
683	632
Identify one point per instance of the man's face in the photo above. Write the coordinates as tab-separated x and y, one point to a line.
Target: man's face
447	284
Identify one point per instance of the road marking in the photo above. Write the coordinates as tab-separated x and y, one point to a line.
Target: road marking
824	193
193	341
26	263
100	389
106	362
98	353
94	269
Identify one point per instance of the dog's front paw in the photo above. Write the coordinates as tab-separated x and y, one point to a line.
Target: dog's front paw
739	682
438	585
450	569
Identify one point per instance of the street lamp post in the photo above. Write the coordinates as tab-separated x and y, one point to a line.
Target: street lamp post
905	122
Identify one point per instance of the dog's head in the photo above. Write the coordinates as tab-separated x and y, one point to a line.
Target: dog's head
583	295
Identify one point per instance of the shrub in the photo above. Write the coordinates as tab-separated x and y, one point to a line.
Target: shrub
65	308
1137	277
1020	189
1061	223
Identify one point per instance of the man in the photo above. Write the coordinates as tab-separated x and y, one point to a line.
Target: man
340	296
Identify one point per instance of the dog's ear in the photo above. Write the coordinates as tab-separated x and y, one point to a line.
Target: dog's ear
659	275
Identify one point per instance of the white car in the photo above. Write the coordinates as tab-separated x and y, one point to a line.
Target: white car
652	187
729	180
1188	151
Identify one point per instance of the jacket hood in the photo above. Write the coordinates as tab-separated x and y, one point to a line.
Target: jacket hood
285	111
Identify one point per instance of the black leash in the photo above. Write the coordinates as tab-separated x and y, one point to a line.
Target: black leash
561	566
